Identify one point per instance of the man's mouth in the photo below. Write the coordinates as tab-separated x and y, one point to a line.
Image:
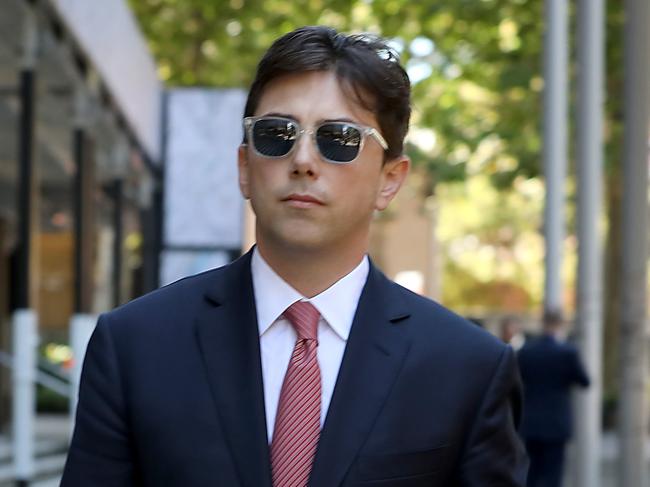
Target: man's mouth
302	201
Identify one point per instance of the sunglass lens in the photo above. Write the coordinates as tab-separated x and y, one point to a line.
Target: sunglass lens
274	137
338	142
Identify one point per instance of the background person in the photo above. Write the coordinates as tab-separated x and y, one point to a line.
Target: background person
549	367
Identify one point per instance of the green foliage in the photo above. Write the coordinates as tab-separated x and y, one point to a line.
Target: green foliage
48	401
475	65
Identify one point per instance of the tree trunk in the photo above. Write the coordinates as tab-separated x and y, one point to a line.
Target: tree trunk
612	295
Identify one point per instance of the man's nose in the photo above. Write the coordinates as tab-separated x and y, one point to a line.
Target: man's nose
305	159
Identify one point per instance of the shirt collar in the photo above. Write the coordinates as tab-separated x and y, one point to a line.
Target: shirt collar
337	304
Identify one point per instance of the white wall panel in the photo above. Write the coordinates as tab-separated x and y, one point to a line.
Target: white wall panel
203	205
108	34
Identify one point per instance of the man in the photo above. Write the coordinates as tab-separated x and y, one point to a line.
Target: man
300	363
549	368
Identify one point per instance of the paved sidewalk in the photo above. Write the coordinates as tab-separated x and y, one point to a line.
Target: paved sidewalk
609	462
52	433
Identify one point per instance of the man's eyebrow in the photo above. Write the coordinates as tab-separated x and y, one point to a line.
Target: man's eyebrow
322	120
339	119
281	115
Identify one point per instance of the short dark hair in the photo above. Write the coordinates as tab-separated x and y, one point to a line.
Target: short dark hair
553	318
365	64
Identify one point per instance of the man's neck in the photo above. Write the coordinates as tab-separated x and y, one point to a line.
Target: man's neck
310	272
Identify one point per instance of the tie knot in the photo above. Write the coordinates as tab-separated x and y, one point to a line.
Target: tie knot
304	318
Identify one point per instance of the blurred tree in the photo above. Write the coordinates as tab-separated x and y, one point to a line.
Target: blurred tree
474	65
492	245
613	196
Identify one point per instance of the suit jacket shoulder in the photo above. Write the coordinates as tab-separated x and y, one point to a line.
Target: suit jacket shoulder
435	325
172	308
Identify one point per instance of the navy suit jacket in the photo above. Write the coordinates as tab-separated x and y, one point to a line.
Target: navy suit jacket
549	369
171	395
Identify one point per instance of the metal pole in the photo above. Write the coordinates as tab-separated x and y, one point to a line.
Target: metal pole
83	204
26	164
589	302
554	150
633	423
24	394
158	208
81	328
24	319
82	323
159	228
118	231
26	135
78	139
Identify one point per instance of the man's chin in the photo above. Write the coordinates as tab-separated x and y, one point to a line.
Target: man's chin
305	243
300	240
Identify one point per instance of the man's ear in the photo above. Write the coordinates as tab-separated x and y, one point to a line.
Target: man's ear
242	165
394	173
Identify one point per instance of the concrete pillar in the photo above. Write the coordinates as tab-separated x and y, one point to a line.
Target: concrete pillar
555	146
633	413
591	47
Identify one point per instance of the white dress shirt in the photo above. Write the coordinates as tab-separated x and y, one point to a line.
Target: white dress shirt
337	306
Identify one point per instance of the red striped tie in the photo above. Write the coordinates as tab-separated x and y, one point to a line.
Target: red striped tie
297	422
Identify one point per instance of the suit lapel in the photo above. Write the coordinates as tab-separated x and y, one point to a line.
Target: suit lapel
373	356
228	338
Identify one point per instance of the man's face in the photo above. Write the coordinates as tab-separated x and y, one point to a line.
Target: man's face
301	201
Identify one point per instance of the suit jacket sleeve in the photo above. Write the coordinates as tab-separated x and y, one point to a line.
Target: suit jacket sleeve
494	454
101	452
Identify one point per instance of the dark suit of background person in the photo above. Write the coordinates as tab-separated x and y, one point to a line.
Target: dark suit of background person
549	368
173	385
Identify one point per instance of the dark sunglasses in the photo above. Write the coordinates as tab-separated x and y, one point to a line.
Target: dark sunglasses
337	142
